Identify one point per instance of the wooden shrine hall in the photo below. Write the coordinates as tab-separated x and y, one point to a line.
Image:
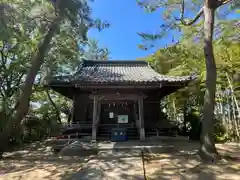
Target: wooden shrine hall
117	94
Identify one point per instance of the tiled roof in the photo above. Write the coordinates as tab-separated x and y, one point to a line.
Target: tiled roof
112	72
122	72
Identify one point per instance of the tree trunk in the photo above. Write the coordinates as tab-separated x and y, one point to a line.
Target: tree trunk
185	118
229	114
23	102
30	132
70	115
55	106
224	122
3	120
233	99
208	151
174	110
234	119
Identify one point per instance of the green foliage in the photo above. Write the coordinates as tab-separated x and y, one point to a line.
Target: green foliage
194	120
23	27
185	58
220	132
94	52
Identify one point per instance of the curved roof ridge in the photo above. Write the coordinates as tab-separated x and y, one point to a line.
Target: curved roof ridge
114	62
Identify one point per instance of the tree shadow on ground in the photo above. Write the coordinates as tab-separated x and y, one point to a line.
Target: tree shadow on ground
37	162
39	169
184	164
174	160
110	168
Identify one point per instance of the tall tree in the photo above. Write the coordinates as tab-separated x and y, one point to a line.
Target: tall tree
184	58
50	17
207	10
94	52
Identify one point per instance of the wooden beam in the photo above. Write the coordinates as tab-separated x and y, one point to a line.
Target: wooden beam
141	119
136	119
131	86
99	86
94	118
98	112
118	96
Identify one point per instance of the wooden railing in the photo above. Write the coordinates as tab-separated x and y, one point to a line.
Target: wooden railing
78	125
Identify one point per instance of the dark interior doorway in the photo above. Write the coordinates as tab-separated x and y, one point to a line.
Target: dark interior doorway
119	113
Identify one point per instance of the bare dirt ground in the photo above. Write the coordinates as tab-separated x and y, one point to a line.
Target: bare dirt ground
184	164
37	162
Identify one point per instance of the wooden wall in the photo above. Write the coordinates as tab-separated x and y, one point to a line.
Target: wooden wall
80	107
151	109
152	112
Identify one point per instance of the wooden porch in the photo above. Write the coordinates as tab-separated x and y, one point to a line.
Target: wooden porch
100	123
78	130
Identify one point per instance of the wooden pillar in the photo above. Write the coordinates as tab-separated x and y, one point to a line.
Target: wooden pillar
73	109
135	116
141	119
98	111
94	118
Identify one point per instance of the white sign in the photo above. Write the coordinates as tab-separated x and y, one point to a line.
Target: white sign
123	119
111	115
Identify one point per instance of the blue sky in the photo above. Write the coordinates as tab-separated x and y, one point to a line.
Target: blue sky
126	18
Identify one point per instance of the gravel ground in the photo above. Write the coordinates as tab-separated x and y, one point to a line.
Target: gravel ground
185	165
37	162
